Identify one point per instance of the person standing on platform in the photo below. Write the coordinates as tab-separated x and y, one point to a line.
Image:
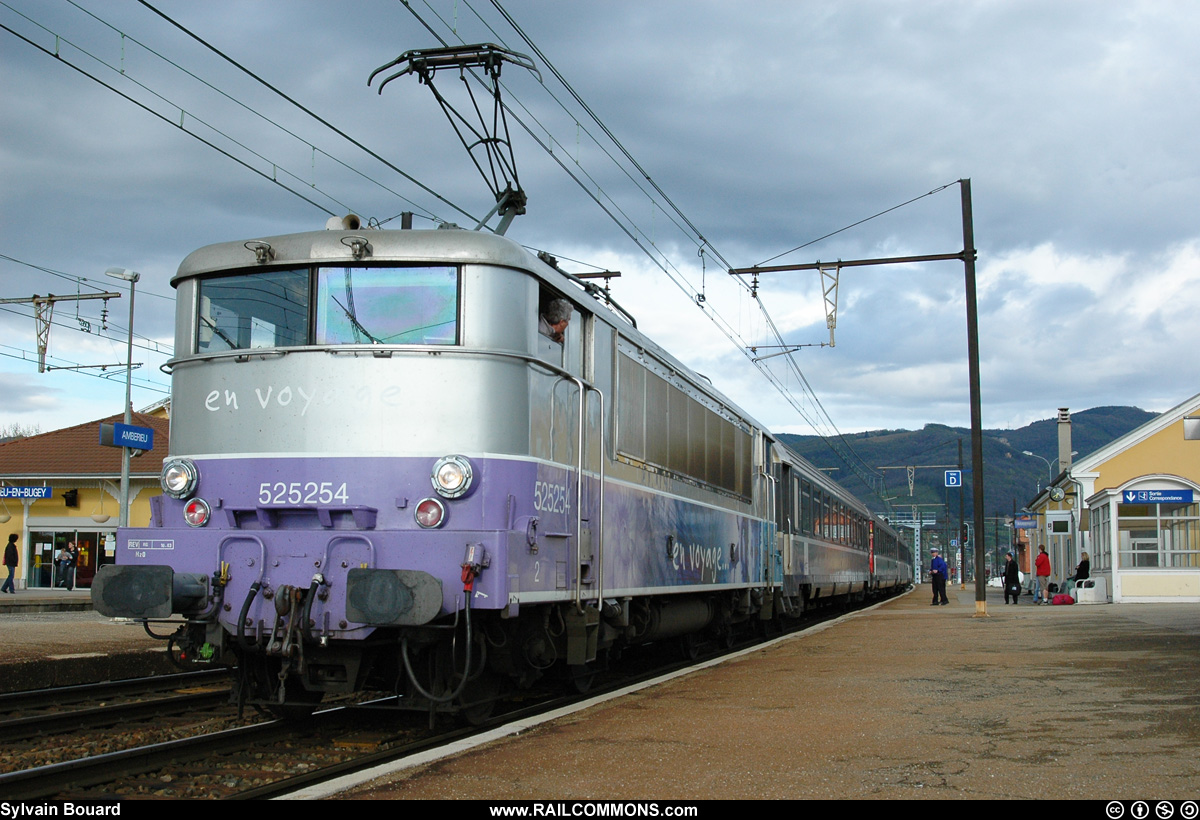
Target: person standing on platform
11	559
62	563
938	573
1042	564
74	552
1012	580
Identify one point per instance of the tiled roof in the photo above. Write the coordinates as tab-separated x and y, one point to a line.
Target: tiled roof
76	451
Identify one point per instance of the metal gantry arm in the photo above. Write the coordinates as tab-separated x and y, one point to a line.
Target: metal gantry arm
43	308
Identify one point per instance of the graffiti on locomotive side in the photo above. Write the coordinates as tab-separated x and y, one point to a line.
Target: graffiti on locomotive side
298	398
699	558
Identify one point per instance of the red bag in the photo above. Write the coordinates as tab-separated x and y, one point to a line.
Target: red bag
1062	598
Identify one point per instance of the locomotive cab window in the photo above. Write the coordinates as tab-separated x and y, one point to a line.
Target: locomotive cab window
329	306
387	306
247	312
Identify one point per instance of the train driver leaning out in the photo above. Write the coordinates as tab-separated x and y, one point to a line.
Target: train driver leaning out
554	319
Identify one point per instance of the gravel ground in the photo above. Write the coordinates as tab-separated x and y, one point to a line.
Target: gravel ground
904	701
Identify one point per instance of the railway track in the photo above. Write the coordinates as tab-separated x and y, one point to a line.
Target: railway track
274	757
43	712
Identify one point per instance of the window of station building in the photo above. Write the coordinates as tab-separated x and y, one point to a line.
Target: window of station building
1158	536
1101	537
352	305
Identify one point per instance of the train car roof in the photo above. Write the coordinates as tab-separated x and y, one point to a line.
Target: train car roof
445	245
336	247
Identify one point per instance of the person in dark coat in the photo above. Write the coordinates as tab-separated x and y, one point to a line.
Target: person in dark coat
11	559
1012	579
1084	570
938	573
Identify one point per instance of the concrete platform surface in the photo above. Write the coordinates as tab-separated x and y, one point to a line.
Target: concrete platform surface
55	638
901	701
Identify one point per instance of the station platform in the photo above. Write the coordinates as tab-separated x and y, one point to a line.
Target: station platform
52	637
901	701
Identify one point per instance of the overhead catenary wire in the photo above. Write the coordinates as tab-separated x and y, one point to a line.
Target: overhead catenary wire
819	419
315	116
856	224
185	115
140	342
660	257
30	356
150	110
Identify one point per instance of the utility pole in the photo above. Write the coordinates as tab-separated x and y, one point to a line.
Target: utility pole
967	257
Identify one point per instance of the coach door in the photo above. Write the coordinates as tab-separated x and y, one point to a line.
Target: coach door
784	516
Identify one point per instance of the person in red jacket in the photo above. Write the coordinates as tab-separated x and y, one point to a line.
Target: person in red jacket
1042	565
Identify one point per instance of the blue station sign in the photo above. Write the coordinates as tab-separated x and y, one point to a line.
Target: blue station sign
954	478
26	492
1157	496
1024	522
127	435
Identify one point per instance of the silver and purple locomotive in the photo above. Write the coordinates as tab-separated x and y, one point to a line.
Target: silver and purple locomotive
394	467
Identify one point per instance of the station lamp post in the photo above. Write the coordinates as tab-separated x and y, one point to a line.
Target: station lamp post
132	278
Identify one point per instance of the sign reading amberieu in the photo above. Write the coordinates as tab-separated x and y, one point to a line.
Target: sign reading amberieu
127	435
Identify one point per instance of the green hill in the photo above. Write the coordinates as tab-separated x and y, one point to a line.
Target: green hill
1011	479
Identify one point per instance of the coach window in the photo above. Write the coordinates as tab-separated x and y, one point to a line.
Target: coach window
806	509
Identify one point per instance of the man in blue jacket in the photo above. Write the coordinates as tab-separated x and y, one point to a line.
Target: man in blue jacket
938	572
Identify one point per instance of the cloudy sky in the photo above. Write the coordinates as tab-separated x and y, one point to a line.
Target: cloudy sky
763	126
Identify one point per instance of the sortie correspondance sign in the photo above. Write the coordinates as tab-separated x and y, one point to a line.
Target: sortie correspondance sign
1157	496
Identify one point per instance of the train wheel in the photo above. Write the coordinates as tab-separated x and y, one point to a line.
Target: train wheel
689	646
478	698
299	703
580	677
725	637
770	627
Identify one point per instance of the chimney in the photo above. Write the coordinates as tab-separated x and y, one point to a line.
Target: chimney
1064	439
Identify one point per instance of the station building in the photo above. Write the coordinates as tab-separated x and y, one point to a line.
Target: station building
65	486
1133	507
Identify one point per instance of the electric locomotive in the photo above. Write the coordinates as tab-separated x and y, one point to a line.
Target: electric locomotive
385	473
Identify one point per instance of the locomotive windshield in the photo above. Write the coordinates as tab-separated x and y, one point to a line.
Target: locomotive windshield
329	306
387	306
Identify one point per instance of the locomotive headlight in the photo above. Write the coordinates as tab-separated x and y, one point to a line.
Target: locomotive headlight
430	513
196	512
452	476
179	477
